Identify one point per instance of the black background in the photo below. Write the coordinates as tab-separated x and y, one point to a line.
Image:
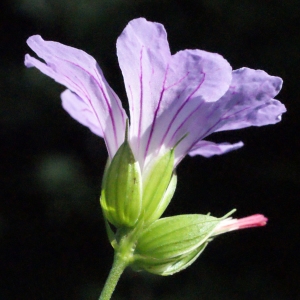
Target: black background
52	238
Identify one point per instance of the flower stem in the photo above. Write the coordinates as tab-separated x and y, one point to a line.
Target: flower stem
116	271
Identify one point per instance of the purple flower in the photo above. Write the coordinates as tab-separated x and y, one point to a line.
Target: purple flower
185	96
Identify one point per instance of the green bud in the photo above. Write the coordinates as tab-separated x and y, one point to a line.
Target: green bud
159	185
171	244
121	195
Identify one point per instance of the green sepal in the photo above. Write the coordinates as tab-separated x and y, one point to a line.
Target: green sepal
173	236
171	244
171	266
110	234
121	195
159	184
165	200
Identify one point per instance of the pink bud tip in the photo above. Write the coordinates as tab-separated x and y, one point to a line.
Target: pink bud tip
252	221
235	224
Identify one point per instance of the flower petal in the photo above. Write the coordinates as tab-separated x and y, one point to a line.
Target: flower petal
165	91
92	96
208	149
249	101
80	111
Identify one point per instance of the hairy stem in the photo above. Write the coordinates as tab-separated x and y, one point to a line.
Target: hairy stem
116	271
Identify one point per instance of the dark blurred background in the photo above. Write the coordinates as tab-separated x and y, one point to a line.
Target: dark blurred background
53	243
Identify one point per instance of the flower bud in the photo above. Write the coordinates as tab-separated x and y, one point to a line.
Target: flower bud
121	195
171	244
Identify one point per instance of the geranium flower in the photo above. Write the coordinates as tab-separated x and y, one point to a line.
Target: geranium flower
181	97
175	102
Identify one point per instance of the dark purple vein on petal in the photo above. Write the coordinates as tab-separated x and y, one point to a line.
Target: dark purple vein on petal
185	120
211	129
180	109
85	92
156	112
119	105
109	109
105	98
170	124
141	97
177	82
120	108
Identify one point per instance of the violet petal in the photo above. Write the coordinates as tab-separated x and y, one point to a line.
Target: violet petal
166	91
208	149
80	111
92	96
249	101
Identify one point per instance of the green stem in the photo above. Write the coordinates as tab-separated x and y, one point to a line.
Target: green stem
116	271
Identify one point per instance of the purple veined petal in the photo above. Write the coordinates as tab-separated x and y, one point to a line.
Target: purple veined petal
80	111
249	101
91	94
208	149
165	91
